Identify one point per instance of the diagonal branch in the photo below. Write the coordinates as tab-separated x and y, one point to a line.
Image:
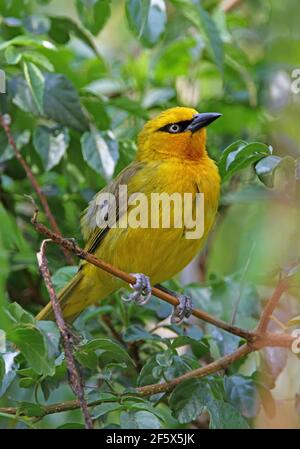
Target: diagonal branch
271	304
228	5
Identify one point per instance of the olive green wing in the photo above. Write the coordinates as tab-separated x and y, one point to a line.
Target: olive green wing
94	221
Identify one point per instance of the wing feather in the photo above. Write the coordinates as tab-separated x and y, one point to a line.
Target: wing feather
92	233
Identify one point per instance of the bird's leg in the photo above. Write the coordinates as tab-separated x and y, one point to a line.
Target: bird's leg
183	310
142	290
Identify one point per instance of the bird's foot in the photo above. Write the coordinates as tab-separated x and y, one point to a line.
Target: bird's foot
183	310
142	290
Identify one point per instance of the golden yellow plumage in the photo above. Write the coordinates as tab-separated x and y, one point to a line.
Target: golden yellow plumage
167	162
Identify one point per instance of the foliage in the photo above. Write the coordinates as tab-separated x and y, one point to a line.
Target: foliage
78	92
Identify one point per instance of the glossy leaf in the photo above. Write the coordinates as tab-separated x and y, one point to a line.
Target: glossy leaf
139	420
19	315
239	155
100	151
50	144
225	416
30	342
36	82
242	394
89	353
93	14
61	102
188	400
62	276
147	20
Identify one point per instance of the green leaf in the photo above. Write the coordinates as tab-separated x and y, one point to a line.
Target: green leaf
225	342
136	403
38	59
22	95
6	150
9	372
100	151
239	155
12	55
27	382
93	14
50	144
89	353
27	41
183	340
61	102
30	341
18	315
106	407
147	20
266	168
189	399
213	36
136	332
139	420
203	21
225	416
36	82
62	276
241	392
63	27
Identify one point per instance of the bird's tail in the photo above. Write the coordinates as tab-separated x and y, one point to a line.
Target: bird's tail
67	298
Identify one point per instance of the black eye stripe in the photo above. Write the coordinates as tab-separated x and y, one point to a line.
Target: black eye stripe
182	126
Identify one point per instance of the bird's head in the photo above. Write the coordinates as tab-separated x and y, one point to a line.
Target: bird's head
177	132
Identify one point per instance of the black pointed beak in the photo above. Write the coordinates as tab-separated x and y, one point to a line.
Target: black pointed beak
202	120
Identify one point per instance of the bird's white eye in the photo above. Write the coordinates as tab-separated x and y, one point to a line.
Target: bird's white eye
174	128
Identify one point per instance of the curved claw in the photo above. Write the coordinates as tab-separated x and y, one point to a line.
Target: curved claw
142	290
182	310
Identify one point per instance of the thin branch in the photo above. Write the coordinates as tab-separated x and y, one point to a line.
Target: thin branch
71	246
228	5
4	122
74	376
271	304
211	368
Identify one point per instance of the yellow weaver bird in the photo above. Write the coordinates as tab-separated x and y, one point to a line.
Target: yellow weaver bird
171	158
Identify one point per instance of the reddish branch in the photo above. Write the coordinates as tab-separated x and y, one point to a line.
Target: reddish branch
228	5
74	376
4	121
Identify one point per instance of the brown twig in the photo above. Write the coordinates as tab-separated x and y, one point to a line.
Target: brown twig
228	5
4	121
271	304
74	376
